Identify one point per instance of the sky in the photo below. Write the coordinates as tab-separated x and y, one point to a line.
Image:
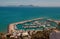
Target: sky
30	2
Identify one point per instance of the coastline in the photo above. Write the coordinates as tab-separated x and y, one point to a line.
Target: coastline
14	33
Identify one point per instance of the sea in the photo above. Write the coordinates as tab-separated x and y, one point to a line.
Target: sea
10	15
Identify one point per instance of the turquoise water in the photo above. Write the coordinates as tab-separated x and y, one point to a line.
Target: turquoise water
15	14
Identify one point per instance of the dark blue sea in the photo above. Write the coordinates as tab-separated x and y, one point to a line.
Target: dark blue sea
15	14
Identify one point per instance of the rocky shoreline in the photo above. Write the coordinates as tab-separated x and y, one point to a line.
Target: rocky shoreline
27	35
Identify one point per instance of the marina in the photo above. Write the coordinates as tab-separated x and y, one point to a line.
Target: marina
35	25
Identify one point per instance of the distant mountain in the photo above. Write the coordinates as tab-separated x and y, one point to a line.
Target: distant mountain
26	6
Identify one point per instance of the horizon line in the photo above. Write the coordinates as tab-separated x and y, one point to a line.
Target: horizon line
25	6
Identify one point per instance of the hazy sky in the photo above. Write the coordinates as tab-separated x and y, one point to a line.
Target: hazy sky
30	2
